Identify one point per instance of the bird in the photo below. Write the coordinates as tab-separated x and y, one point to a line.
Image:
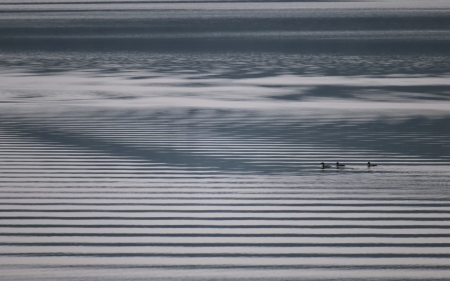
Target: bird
371	165
325	166
339	165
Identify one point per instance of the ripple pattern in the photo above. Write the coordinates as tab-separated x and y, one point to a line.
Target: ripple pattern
129	195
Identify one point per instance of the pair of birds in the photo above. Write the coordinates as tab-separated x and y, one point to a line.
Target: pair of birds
338	165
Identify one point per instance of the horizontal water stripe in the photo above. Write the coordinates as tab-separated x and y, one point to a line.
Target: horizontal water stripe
214	212
93	261
232	210
389	165
301	193
218	274
216	225
216	218
373	242
231	266
324	184
233	232
389	180
305	191
325	188
161	180
392	175
388	170
69	203
225	255
219	251
107	230
257	207
293	245
254	197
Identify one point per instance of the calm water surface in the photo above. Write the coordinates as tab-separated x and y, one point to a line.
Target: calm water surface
144	140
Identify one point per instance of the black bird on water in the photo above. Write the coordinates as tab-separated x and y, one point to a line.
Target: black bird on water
371	165
325	166
339	165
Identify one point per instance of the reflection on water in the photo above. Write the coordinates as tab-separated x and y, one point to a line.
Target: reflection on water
184	144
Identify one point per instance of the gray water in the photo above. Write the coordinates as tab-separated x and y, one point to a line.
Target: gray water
182	140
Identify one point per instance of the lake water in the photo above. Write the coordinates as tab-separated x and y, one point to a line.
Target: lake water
182	140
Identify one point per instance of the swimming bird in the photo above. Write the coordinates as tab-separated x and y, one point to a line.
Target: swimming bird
339	165
371	165
325	166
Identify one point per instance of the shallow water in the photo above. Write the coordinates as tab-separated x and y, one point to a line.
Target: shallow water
182	141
